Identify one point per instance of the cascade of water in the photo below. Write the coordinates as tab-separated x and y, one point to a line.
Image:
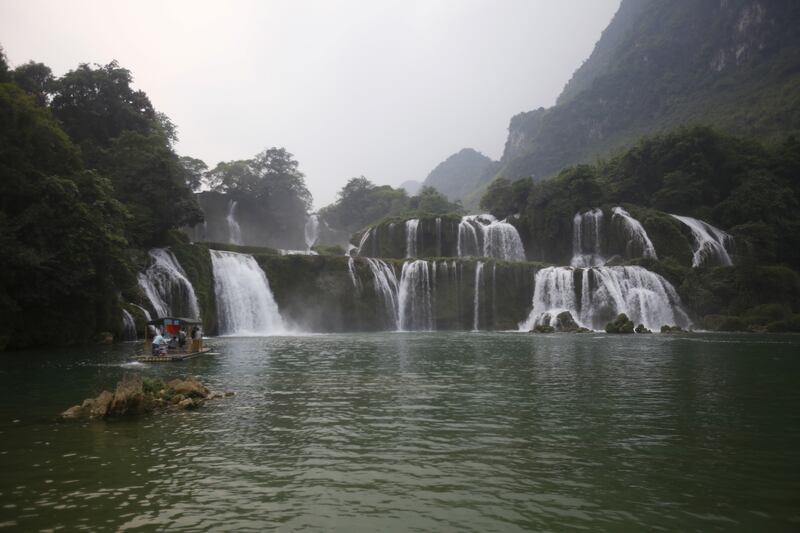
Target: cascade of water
468	244
412	230
438	236
385	282
234	231
165	284
351	269
494	295
363	241
553	293
710	244
144	311
414	297
311	230
484	235
586	249
128	326
637	242
644	296
476	306
245	304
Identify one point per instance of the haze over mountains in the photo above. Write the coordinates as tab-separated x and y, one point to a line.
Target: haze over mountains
734	65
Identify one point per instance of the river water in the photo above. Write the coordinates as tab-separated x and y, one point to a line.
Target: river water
418	431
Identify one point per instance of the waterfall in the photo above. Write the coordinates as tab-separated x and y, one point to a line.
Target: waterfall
438	237
468	244
245	305
476	306
637	243
485	236
363	241
710	244
586	239
128	326
234	231
311	230
385	282
412	229
165	284
414	297
351	269
553	293
644	296
144	311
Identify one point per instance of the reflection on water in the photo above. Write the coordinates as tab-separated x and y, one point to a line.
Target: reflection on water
430	431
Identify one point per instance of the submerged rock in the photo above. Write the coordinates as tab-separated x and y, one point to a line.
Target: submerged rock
671	329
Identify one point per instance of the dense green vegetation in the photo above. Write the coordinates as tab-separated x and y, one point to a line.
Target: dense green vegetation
361	203
88	175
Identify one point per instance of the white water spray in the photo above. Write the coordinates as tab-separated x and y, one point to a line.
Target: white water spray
311	231
586	247
637	242
128	326
710	244
415	301
234	230
485	236
165	284
412	231
644	296
476	305
245	304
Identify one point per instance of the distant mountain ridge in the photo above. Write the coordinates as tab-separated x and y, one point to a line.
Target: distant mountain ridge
461	173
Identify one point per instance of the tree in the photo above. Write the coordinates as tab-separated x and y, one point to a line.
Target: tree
431	201
96	104
5	76
60	230
194	171
36	79
150	180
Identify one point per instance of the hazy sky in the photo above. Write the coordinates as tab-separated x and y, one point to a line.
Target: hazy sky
386	89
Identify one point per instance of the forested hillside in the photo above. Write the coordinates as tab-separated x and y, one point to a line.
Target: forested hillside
734	65
461	173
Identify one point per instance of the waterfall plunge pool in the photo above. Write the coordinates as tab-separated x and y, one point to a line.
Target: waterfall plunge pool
434	431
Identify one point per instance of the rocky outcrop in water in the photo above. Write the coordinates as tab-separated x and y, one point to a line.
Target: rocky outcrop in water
135	396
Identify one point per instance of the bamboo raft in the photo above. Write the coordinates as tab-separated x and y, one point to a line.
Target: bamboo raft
173	324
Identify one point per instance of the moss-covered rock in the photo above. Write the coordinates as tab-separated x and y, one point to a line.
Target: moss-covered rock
622	325
543	328
641	329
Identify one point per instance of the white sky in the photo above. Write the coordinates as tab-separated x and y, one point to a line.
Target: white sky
387	89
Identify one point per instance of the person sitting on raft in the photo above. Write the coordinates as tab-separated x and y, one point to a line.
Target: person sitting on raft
159	344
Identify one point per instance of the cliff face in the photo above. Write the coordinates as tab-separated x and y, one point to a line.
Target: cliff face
731	64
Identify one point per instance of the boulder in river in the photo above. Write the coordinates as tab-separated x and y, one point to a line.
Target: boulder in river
136	396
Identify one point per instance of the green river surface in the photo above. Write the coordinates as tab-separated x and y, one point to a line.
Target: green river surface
417	432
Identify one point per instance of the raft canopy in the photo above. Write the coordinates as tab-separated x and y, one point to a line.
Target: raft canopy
174	321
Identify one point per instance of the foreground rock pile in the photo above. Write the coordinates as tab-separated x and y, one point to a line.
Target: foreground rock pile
137	396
